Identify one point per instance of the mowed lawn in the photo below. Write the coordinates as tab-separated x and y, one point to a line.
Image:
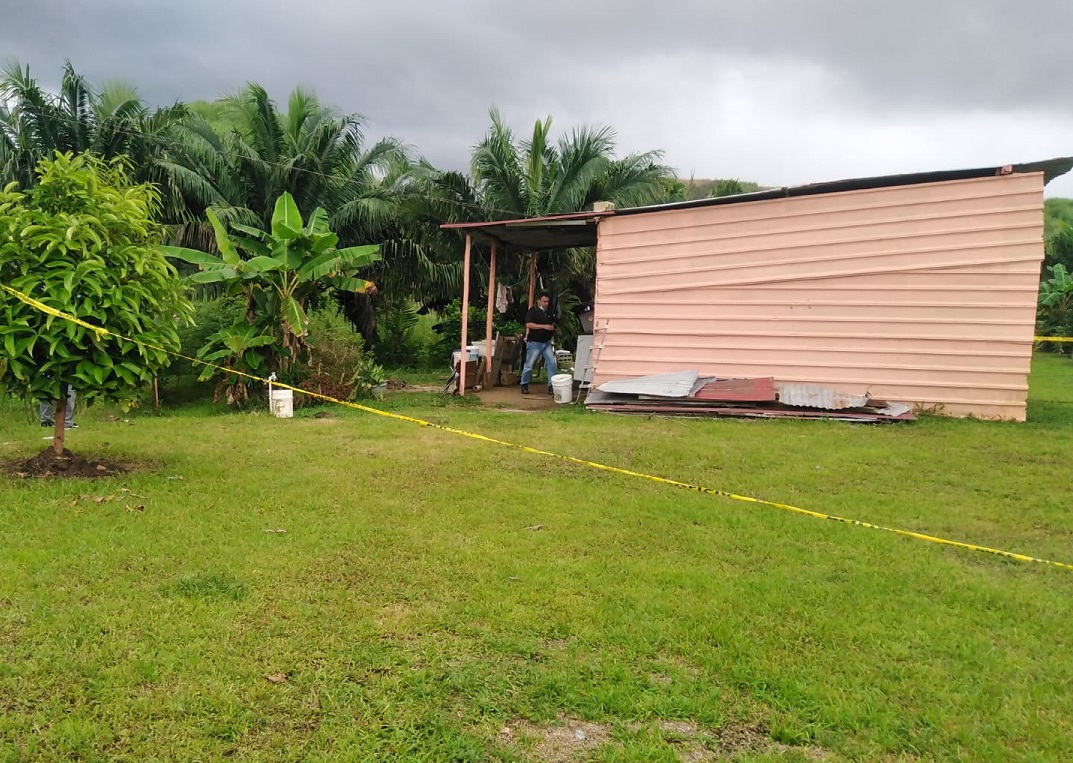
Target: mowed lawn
357	588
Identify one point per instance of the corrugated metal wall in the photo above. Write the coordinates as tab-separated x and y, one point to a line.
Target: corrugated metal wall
921	293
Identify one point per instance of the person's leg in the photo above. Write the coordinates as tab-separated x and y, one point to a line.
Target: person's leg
549	360
45	414
532	352
69	414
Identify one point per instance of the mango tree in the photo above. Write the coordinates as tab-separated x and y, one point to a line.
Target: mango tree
84	240
277	272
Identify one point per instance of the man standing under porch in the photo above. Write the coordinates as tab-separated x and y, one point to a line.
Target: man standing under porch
540	328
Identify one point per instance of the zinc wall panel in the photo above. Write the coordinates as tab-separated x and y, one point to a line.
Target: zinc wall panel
922	294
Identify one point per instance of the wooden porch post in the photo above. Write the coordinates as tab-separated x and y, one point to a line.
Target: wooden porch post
488	327
532	280
465	319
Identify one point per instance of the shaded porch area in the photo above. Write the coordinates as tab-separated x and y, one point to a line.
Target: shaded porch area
527	237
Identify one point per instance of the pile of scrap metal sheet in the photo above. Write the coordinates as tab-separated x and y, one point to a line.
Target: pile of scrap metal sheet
688	394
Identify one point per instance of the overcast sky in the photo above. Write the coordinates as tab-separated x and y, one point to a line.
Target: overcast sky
780	92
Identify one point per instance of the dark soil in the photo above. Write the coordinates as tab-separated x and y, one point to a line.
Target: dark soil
48	464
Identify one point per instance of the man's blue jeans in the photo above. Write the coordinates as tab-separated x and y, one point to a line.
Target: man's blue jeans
532	351
47	411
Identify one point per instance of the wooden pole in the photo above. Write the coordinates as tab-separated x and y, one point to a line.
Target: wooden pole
488	327
465	318
532	280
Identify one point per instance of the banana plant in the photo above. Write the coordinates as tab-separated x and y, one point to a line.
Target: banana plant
236	348
282	268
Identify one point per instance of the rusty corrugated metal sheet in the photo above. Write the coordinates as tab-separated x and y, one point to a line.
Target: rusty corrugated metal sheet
746	390
920	293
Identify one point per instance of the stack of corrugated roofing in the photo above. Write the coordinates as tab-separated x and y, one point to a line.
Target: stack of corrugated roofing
686	393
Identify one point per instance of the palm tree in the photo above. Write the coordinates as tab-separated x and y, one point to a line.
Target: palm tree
536	177
110	122
308	151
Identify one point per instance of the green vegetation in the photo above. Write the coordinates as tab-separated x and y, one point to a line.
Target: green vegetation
236	155
680	189
109	122
1055	314
83	240
281	272
360	588
1056	214
450	329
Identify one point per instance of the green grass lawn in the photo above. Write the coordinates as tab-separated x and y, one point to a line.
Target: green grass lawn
356	588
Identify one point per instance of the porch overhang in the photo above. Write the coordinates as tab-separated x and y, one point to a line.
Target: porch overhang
536	234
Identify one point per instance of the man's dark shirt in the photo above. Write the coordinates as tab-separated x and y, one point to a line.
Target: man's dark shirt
537	315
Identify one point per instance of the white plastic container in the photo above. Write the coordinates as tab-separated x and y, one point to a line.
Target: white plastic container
562	385
281	403
471	354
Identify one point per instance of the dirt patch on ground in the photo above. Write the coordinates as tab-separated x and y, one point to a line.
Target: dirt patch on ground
696	745
559	743
424	387
48	464
570	739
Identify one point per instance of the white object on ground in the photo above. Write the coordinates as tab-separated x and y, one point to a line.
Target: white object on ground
563	387
281	403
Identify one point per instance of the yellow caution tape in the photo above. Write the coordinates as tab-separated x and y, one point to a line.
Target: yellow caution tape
1052	338
536	451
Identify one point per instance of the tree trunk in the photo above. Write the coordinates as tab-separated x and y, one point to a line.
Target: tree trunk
360	310
60	417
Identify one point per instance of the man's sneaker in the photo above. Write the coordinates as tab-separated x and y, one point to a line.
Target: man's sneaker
525	389
550	390
71	426
47	423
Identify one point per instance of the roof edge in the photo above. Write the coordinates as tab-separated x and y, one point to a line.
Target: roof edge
1051	169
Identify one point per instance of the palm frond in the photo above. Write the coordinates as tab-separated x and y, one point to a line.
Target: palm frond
496	168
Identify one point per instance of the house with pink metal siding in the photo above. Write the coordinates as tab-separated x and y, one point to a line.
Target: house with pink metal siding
919	292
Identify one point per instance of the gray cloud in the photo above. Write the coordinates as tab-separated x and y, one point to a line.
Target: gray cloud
779	91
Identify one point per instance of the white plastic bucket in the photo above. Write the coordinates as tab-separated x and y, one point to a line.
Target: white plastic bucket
563	387
281	403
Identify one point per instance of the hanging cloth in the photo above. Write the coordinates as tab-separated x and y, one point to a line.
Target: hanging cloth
502	298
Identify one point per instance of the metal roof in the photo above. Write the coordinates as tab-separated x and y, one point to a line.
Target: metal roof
578	229
1051	168
677	384
537	234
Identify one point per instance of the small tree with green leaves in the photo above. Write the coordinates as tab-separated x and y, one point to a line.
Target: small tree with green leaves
84	241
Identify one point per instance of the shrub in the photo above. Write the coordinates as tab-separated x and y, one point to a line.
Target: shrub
1054	316
210	316
450	329
336	355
